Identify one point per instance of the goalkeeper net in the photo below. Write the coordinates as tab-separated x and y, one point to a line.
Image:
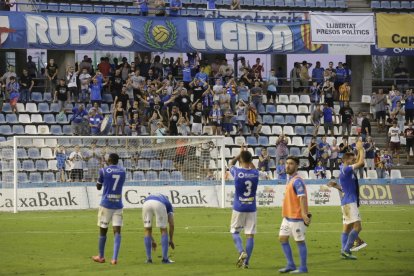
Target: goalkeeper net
43	173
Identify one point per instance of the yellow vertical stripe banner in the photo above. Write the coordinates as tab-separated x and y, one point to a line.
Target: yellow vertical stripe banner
395	30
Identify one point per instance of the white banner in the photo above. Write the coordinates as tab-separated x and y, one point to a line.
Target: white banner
30	199
342	28
180	196
350	49
258	16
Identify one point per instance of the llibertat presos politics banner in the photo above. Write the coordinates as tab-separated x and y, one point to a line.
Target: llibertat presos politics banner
342	28
56	31
395	30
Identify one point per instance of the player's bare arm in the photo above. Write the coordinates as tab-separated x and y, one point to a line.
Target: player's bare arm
304	208
333	184
360	157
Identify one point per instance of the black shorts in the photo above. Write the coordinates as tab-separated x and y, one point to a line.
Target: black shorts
381	115
409	114
409	145
394	146
216	124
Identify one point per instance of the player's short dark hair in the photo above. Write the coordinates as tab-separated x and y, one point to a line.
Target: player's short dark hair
294	158
113	158
348	155
246	156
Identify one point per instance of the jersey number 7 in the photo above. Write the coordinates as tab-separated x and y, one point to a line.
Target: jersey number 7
116	177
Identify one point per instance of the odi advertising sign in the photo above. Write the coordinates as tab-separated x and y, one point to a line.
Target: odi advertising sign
152	34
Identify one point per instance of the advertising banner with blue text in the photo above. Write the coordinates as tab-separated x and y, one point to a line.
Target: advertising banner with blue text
153	34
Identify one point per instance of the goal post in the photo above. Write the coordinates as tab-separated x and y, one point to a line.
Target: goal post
60	172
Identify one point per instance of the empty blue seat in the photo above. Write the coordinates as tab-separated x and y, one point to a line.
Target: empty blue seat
271	151
279	120
121	9
300	3
385	5
54	107
143	164
2	119
310	3
300	130
138	176
108	9
395	5
261	109
11	118
269	3
28	165
341	4
37	97
49	177
22	178
148	153
309	130
267	119
43	108
64	7
248	2
251	141
105	108
107	98
56	130
5	130
272	163
167	164
87	8
263	141
41	165
270	109
53	7
290	119
67	130
177	176
49	119
320	3
132	10
164	176
151	176
18	129
330	4
259	3
75	8
295	151
155	165
35	177
33	153
21	153
406	5
6	108
290	3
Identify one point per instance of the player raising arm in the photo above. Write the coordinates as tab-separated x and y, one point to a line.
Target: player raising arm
246	178
112	178
350	200
159	206
295	217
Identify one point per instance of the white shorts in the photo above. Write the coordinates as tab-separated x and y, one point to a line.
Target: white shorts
105	216
246	220
197	128
296	229
155	208
350	213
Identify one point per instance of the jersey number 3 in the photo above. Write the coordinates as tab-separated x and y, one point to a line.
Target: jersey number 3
116	177
248	191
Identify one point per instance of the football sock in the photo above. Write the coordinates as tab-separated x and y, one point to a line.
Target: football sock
351	238
288	254
164	245
102	241
303	253
344	239
148	242
249	248
238	242
117	245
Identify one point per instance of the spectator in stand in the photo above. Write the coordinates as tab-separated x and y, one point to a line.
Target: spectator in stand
272	83
26	86
281	170
51	75
334	156
61	158
71	78
258	68
123	98
104	67
31	67
320	171
175	7
253	120
312	153
257	95
77	159
369	147
2	96
120	118
317	73
329	119
245	78
135	124
79	116
401	76
380	101
304	76
243	92
394	135
143	6
282	150
379	165
173	120
6	77
344	147
182	126
225	69
96	91
186	71
372	105
95	121
85	80
340	75
199	87
365	127
231	90
97	109
409	136
183	101
160	8
358	121
86	64
344	93
316	116
125	69
241	113
197	114
216	116
347	117
227	121
315	96
235	5
13	89
330	73
323	147
264	175
295	83
264	160
388	162
399	114
329	91
396	97
61	94
409	106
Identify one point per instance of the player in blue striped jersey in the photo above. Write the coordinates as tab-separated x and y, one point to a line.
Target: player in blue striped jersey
159	206
246	178
112	179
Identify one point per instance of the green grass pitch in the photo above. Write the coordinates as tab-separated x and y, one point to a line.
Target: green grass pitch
62	243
